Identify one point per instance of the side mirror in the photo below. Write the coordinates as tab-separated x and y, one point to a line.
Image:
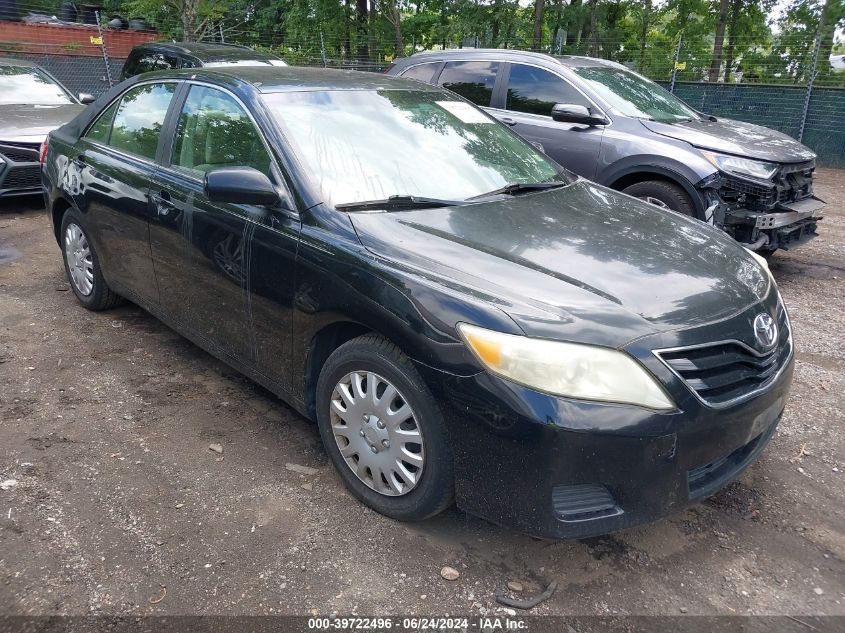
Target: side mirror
240	185
572	113
85	98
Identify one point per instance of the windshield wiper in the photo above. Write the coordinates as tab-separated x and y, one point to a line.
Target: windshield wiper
397	202
516	188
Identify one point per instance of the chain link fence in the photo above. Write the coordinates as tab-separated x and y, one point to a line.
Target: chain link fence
786	86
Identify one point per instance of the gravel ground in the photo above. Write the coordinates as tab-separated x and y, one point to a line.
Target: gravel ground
121	508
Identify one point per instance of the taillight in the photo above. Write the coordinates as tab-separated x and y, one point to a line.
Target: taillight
42	151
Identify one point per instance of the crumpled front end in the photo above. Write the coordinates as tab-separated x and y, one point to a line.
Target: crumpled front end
765	215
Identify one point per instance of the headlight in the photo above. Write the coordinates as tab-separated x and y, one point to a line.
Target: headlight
566	369
743	166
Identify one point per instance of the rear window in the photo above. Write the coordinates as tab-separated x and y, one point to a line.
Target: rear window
422	72
471	80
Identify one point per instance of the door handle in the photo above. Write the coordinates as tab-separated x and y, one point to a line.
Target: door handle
508	121
163	202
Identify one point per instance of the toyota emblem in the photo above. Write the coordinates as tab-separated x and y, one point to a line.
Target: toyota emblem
765	330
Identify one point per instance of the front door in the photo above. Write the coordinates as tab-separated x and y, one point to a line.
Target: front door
204	253
531	94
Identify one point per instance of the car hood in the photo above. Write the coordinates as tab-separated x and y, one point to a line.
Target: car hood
735	137
32	123
577	263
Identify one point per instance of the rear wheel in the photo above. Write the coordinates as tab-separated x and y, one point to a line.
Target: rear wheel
665	195
383	430
83	266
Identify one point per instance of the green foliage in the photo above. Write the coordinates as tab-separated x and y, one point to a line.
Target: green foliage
641	34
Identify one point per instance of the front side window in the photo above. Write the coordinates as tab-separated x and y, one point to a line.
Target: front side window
632	95
215	131
422	72
536	91
30	86
139	118
360	145
471	80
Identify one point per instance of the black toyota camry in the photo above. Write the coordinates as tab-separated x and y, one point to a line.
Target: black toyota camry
462	318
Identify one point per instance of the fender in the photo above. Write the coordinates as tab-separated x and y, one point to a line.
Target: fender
667	169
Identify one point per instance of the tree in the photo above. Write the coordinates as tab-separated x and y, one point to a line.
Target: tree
716	62
539	8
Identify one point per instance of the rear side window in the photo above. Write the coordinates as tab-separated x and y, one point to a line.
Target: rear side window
139	118
215	131
422	72
150	61
101	129
472	80
536	91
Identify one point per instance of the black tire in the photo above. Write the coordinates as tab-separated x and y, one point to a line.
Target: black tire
434	490
101	297
667	193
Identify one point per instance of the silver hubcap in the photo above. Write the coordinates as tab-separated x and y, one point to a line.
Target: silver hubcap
377	433
78	256
655	202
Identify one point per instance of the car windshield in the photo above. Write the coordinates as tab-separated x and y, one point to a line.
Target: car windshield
29	86
629	94
362	145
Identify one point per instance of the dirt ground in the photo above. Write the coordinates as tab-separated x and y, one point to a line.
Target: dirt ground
121	508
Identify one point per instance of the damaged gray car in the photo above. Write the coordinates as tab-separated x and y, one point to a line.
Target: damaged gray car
605	122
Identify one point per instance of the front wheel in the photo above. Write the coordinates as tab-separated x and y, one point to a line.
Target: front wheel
662	194
383	430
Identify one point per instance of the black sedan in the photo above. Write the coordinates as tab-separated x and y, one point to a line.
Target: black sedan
462	318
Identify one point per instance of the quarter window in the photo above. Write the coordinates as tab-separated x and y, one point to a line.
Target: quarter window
155	61
536	91
422	72
101	129
139	118
215	131
473	80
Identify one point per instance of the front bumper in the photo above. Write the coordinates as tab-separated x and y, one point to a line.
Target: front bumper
562	468
766	214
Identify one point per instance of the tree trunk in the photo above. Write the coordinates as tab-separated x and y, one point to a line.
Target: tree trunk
347	35
644	32
373	15
594	32
729	55
396	20
361	19
189	19
539	8
574	26
716	63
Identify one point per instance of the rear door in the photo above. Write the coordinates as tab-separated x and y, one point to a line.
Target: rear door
529	95
108	178
225	271
473	80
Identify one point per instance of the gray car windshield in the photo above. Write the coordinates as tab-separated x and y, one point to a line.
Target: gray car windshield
29	86
629	94
362	145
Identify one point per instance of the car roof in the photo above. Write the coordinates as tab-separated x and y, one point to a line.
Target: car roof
571	61
294	78
208	51
21	63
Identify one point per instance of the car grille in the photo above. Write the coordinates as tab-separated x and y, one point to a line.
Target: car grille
792	182
21	170
726	372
